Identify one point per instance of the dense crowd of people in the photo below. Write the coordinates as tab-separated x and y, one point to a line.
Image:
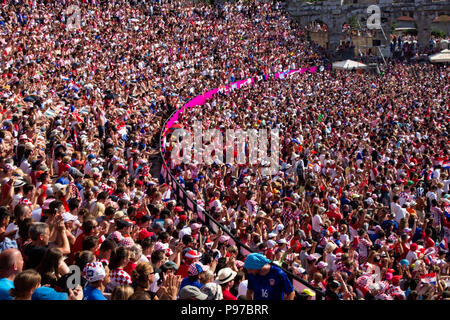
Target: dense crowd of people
358	210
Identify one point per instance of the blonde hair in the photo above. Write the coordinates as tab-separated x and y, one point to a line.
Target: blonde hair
99	210
141	272
122	292
233	249
208	276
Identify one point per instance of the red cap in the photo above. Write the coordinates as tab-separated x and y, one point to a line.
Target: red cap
144	234
140	183
396	279
413	246
183	217
178	209
139	215
78	162
38	174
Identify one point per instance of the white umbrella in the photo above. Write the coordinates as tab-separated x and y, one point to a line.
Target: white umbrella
348	65
443	56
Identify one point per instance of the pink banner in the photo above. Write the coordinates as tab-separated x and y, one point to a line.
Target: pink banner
200	100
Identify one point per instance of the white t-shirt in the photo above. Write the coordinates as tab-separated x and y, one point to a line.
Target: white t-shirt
25	166
395	208
431	195
154	286
331	259
316	222
411	257
184	231
400	215
143	258
446	185
344	239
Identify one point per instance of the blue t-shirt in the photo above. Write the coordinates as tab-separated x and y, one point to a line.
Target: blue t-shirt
272	286
91	293
188	282
5	286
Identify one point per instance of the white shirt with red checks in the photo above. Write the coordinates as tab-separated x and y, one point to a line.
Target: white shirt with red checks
26	202
118	277
395	290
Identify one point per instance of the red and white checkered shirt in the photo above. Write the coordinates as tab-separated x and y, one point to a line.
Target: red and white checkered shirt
26	202
395	290
118	277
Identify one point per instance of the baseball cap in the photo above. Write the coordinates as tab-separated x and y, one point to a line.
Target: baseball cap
196	226
160	246
197	268
46	204
271	244
127	242
58	187
47	293
94	271
272	235
144	234
224	238
192	293
120	224
396	279
171	264
69	217
178	209
311	257
158	225
145	218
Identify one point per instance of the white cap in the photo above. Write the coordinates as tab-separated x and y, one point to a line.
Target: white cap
271	244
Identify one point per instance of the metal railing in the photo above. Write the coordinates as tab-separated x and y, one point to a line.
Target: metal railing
183	198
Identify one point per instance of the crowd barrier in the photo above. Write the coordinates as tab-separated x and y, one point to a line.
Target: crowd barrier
179	194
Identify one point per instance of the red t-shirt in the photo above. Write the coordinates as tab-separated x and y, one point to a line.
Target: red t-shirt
78	245
43	196
306	229
227	295
183	271
5	189
428	242
62	167
405	250
130	267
